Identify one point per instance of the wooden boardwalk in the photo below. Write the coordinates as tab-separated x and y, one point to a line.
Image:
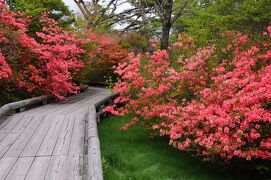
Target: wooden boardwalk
58	141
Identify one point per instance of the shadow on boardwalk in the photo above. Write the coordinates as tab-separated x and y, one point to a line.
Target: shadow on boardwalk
55	141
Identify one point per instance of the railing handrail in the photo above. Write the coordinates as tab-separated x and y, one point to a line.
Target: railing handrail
28	102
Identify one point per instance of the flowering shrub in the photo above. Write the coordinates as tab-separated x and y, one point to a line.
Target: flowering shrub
44	66
217	105
107	49
5	70
104	52
59	59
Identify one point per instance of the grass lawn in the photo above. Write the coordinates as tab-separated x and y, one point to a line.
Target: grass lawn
133	155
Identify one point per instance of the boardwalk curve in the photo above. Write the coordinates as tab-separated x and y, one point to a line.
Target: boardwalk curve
55	141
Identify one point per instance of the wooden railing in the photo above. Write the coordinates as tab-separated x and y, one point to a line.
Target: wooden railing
21	105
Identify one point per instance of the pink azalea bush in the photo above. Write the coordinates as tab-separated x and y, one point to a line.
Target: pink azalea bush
44	66
105	52
5	70
214	104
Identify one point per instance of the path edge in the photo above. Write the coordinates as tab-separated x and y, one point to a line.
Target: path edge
28	102
94	161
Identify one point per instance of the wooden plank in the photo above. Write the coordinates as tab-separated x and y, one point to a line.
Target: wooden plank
56	168
38	168
58	135
36	140
9	124
15	105
63	142
6	165
74	168
41	109
20	169
18	146
51	137
8	141
4	121
94	163
73	108
77	140
102	99
22	104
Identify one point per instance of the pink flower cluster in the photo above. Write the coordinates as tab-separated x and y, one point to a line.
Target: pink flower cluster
217	111
5	70
45	66
106	50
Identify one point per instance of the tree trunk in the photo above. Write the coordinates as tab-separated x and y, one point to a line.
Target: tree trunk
145	25
165	35
166	23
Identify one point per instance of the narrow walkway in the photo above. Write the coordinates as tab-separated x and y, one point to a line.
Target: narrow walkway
53	142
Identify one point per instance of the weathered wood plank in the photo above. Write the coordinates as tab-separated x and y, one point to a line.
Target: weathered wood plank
22	104
20	169
51	137
74	168
63	142
61	146
41	109
104	98
4	121
8	141
77	140
38	168
56	168
11	106
36	140
6	165
94	155
9	124
18	146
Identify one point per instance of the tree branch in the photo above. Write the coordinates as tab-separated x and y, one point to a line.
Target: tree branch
180	11
82	9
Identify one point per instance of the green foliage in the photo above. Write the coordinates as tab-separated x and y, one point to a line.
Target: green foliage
207	19
56	8
12	96
134	42
105	165
134	155
80	23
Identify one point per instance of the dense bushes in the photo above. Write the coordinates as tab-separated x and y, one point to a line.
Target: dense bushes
215	102
43	66
54	61
105	52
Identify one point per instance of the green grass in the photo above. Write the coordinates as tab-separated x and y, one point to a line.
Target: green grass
133	154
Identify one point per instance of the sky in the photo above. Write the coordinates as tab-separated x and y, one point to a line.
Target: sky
71	4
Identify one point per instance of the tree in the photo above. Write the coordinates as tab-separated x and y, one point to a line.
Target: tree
165	11
56	10
207	19
103	14
168	12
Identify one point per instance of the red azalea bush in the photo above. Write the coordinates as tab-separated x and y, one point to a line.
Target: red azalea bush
215	104
46	66
4	67
105	51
